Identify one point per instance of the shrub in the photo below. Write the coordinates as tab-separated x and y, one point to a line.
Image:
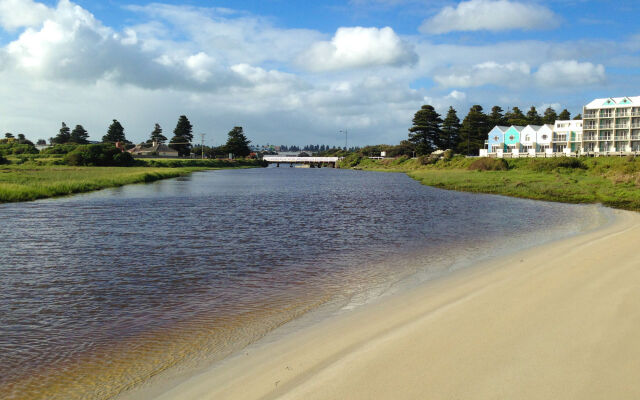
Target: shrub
60	148
489	164
103	154
3	160
550	164
448	155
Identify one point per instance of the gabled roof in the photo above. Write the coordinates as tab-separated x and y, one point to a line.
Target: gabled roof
535	128
612	102
502	128
517	127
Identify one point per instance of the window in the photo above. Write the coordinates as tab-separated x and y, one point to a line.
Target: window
544	137
527	138
512	137
496	138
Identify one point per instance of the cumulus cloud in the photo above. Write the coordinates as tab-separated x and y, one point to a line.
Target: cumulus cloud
358	47
567	73
508	74
491	15
16	14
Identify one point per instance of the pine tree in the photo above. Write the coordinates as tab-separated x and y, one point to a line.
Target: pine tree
156	135
473	131
238	144
63	136
182	137
425	132
496	117
550	116
115	133
516	117
579	116
450	130
79	135
564	115
533	118
184	128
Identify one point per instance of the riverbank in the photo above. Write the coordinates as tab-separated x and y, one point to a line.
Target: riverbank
31	180
611	181
555	321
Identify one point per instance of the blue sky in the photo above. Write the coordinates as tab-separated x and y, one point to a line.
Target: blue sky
297	72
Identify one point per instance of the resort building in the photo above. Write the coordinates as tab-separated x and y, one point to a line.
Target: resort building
608	127
612	125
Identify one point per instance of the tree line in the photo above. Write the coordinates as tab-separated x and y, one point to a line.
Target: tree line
430	132
237	143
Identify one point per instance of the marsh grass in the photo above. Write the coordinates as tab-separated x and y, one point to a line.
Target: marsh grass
612	181
31	182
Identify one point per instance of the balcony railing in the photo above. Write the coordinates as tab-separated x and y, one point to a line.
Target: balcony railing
635	113
621	138
626	126
604	138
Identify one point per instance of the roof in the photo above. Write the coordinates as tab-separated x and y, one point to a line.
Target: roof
501	128
517	127
613	102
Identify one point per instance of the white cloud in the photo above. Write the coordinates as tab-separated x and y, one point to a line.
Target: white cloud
567	73
491	15
358	47
509	74
16	14
457	96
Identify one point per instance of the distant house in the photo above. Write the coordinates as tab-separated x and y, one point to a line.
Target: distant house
512	138
496	138
153	149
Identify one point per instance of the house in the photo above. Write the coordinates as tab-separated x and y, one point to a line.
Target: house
529	138
496	139
154	149
567	136
512	139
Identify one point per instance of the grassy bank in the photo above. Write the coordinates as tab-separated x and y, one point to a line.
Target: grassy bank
33	180
612	181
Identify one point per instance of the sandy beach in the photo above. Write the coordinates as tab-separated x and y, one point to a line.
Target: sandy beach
558	321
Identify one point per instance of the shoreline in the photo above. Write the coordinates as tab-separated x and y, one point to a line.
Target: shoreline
65	180
527	311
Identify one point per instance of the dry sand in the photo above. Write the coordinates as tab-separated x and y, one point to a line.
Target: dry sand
559	321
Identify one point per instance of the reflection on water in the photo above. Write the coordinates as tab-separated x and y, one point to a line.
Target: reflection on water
100	292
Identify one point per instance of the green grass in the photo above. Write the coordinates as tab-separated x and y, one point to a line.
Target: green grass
611	181
28	182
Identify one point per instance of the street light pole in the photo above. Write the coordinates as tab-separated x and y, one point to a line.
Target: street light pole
202	145
346	136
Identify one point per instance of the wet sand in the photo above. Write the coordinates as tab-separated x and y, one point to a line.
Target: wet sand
560	320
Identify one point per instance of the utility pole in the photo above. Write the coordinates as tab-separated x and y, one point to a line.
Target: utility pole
346	135
202	145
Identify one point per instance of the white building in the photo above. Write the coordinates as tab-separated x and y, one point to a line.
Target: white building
567	136
611	125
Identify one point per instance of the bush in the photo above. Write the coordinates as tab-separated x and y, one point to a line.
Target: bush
104	154
550	164
448	155
489	164
15	148
3	160
60	148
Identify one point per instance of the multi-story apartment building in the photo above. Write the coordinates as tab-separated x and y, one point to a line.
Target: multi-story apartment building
611	125
608	126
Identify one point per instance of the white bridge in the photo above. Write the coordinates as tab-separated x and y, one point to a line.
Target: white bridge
312	162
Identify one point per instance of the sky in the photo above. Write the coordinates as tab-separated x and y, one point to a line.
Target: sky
300	72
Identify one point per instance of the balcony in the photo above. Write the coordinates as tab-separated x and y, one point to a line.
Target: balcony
635	114
625	126
592	116
621	138
605	138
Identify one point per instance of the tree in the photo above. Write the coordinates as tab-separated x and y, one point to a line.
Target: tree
237	143
182	137
156	135
9	135
79	135
516	117
496	117
184	128
450	130
564	115
579	116
63	136
473	131
550	116
425	132
533	118
115	133
41	142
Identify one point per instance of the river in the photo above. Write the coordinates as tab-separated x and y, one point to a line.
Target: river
104	291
